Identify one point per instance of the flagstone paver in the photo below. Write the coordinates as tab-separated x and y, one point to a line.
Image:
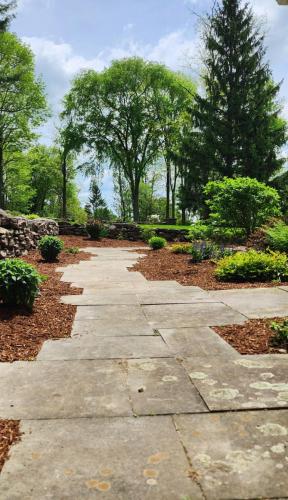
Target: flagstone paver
241	383
137	403
256	302
99	458
238	455
106	348
198	342
63	389
160	387
192	315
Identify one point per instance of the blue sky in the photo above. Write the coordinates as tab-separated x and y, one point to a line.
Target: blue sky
68	35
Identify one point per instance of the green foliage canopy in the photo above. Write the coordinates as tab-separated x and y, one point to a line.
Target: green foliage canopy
241	203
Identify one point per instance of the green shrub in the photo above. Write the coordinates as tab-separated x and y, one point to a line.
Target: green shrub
241	203
253	266
281	330
156	242
50	247
72	250
181	248
94	230
199	231
227	234
147	234
19	282
32	216
277	237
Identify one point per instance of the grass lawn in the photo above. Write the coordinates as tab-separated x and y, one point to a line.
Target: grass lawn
164	226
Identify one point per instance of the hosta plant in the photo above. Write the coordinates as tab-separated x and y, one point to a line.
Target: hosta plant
19	283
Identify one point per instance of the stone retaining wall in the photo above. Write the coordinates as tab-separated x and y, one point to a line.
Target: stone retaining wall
69	229
19	235
124	231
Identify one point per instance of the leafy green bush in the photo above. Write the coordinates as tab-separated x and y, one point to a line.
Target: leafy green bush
241	203
32	216
156	242
72	250
199	231
19	282
147	234
253	266
227	234
281	330
181	248
277	237
94	230
50	247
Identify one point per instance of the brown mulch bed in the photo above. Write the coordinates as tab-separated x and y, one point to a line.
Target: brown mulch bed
165	265
9	434
253	337
22	333
82	242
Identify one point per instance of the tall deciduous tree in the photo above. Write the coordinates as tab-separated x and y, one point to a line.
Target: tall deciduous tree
6	14
70	144
22	102
120	115
239	116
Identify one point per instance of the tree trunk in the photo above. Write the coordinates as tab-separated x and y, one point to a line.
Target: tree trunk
173	203
168	182
64	188
183	216
2	180
135	201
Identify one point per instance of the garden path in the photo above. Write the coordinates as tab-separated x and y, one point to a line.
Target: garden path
146	401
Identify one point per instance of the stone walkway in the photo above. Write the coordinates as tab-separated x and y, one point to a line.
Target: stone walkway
146	401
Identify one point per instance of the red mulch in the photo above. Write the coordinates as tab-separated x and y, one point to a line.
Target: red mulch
22	333
165	265
82	242
253	337
9	434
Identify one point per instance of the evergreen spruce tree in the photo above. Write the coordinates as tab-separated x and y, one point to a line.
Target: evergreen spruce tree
96	200
5	15
239	116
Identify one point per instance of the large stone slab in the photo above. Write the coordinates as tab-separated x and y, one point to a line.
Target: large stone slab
238	455
105	348
66	389
191	315
174	296
160	387
199	342
255	302
114	313
111	327
247	382
101	298
119	458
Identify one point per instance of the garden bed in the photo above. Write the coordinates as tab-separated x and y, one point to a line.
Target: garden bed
22	333
84	242
253	337
9	435
165	265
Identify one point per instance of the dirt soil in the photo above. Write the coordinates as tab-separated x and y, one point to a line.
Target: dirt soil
9	434
253	337
165	265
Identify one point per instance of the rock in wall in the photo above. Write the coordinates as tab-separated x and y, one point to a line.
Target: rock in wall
19	235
